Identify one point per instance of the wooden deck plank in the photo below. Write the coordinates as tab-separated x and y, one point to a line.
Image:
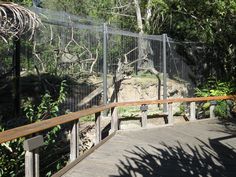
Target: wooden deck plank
193	149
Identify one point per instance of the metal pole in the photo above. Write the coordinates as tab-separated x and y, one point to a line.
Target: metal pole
104	63
165	106
16	64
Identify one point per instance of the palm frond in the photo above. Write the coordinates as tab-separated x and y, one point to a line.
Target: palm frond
16	20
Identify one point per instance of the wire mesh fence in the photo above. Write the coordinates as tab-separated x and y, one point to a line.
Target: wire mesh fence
6	83
71	48
99	63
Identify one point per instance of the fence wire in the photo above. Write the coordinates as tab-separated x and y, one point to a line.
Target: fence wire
71	48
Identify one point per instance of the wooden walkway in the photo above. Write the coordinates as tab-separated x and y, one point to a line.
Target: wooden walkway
203	148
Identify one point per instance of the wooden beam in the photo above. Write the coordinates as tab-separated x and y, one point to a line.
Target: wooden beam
175	100
46	124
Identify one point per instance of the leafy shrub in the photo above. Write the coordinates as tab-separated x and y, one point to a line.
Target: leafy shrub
182	109
12	153
217	88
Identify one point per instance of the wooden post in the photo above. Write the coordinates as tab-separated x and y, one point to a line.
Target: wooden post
32	155
143	109
192	111
36	160
29	164
144	119
170	114
98	135
212	108
74	141
114	119
212	114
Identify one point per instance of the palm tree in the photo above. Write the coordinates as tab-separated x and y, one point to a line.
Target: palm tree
16	20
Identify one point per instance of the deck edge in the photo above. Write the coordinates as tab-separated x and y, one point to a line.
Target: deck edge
82	157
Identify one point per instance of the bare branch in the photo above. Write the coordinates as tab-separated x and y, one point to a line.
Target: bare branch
141	59
126	6
91	68
37	56
125	55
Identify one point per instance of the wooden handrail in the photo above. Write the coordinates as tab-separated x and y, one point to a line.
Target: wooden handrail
29	129
176	100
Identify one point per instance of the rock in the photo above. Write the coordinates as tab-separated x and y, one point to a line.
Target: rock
141	88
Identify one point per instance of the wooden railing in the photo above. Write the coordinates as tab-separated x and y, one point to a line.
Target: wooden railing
33	143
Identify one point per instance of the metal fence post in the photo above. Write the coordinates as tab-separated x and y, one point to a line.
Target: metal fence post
104	63
165	105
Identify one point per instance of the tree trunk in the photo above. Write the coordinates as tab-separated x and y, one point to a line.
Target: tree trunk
148	15
141	54
144	47
139	16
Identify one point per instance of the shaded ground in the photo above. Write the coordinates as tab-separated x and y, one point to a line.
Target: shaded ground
204	148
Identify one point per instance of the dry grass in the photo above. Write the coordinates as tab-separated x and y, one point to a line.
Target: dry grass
16	20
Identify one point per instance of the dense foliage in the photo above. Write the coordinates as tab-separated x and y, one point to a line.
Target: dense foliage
12	153
216	88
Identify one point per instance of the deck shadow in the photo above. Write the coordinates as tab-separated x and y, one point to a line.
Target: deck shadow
210	158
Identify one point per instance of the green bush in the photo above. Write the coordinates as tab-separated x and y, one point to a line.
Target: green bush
217	88
12	153
182	109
